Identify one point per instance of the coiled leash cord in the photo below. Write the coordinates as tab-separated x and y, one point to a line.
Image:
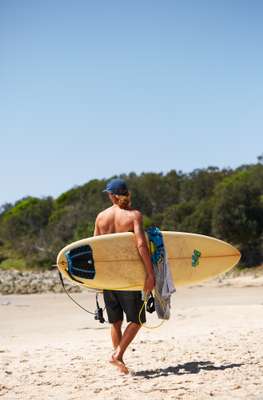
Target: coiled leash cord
149	305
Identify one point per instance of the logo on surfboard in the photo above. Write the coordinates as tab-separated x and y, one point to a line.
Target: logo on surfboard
195	257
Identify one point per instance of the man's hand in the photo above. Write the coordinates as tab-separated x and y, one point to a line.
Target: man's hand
149	283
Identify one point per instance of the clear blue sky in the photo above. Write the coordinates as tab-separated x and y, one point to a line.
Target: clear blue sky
89	89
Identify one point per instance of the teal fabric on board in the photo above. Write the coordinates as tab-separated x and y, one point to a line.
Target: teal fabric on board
164	286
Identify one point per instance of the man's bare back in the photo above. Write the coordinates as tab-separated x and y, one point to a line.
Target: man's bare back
116	220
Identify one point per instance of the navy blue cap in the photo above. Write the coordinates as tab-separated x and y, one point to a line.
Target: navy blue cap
117	186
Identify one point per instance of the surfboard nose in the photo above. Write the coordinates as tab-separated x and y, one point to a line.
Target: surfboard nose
238	255
234	252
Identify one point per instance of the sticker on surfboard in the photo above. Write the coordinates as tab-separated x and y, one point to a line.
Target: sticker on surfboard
195	257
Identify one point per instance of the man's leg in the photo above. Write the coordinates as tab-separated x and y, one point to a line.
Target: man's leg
116	334
115	315
127	337
131	303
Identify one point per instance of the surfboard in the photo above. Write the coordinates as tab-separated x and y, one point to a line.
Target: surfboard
112	261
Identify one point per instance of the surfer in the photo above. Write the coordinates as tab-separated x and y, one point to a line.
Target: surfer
120	217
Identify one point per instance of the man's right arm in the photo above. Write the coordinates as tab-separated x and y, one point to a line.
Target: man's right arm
142	247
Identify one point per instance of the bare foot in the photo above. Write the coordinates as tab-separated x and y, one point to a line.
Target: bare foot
119	364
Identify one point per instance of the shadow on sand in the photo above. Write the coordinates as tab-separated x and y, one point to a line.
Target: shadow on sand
181	369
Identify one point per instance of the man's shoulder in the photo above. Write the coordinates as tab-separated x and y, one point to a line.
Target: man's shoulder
104	212
137	215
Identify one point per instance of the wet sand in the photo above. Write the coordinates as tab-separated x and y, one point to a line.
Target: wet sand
210	348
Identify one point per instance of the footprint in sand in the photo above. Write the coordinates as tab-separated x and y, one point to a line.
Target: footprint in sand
76	358
4	389
41	372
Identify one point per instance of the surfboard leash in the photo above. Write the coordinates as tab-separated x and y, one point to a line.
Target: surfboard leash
148	305
98	314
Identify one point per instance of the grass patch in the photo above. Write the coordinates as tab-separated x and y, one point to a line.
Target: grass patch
13	263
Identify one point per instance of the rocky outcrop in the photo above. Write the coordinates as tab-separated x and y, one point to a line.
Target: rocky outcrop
27	282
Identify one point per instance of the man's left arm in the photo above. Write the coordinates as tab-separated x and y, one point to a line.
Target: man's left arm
143	250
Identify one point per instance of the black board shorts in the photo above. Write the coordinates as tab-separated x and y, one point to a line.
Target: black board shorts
129	302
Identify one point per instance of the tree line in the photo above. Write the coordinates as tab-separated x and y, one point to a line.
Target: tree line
224	203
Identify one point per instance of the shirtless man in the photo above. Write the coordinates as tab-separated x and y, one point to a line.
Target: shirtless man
120	217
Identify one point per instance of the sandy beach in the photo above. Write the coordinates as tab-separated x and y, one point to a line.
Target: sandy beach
210	348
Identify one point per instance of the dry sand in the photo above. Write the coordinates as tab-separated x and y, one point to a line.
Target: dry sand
212	347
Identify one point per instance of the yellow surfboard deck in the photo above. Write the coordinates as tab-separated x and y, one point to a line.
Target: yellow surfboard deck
113	261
